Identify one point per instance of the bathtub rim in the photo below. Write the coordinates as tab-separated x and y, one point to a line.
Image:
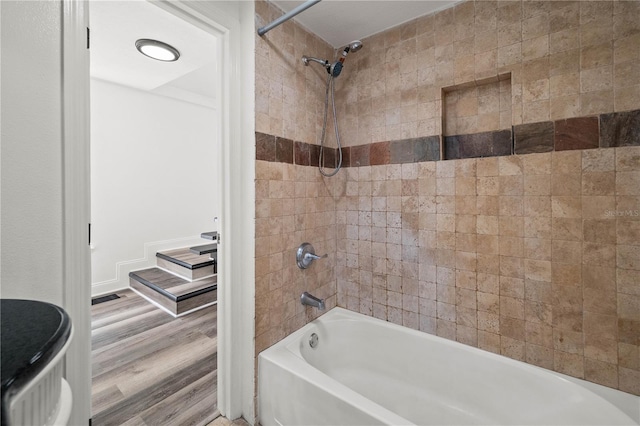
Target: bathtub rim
626	403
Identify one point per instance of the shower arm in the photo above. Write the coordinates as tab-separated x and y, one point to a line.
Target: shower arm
335	68
323	62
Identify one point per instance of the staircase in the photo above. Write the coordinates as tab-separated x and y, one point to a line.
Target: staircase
185	280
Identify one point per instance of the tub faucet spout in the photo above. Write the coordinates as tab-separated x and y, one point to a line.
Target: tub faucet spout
308	299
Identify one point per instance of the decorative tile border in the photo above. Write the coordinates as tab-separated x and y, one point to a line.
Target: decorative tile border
620	129
486	144
576	133
533	137
282	150
395	152
276	149
604	131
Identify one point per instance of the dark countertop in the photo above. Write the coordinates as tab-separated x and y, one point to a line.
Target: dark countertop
32	333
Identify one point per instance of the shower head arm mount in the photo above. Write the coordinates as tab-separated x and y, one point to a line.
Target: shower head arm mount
323	62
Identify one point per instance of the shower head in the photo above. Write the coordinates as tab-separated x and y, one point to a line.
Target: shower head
334	69
355	45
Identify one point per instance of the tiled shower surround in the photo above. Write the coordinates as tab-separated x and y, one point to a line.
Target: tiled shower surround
533	254
536	257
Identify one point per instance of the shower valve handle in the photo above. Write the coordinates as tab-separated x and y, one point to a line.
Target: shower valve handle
315	256
306	255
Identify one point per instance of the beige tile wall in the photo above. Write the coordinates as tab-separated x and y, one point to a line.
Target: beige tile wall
520	255
536	257
289	96
293	203
567	59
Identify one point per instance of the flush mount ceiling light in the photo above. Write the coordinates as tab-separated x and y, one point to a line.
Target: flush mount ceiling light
157	50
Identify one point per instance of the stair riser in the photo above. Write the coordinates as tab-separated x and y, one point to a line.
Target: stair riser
170	305
175	308
186	273
197	301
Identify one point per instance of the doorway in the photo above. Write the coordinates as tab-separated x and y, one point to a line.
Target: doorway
233	23
155	138
155	145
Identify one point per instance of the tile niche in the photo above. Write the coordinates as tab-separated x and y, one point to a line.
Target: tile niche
476	118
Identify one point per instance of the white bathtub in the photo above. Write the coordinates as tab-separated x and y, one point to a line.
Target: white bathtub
364	371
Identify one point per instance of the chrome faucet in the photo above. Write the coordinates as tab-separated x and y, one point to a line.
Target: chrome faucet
310	300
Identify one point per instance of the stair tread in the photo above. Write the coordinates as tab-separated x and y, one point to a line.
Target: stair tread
172	286
186	258
204	249
213	235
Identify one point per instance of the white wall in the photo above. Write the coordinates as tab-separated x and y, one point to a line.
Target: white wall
31	152
152	178
36	247
31	204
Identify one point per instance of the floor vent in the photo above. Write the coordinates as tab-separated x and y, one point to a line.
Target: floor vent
103	299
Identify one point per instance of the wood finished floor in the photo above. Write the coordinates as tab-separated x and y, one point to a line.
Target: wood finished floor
149	369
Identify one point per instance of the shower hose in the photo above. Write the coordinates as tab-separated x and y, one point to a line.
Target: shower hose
330	88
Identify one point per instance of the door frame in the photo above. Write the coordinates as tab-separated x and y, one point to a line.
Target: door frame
233	25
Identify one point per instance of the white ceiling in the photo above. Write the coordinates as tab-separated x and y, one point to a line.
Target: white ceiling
115	27
339	22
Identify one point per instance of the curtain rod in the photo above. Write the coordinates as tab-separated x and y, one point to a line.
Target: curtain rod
304	6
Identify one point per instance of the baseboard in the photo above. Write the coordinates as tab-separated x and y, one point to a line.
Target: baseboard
121	280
